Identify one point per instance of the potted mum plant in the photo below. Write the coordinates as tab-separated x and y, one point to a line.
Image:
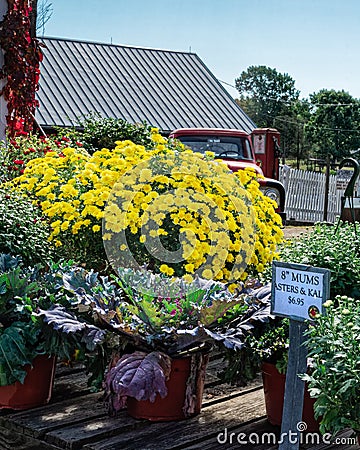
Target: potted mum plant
156	333
334	380
27	357
268	347
156	193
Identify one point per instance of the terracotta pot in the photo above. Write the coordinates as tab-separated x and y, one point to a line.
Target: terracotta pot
185	389
274	389
37	387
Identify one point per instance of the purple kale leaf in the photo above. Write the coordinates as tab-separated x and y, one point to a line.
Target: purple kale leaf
139	375
61	320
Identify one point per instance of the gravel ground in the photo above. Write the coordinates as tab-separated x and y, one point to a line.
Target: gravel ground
294	231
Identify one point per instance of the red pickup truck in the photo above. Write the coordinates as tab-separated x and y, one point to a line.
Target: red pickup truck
239	150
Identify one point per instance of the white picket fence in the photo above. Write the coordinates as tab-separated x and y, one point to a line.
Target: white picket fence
305	195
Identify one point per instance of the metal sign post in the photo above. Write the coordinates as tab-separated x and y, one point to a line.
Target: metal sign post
298	292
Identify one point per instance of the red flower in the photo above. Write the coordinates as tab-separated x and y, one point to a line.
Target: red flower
19	162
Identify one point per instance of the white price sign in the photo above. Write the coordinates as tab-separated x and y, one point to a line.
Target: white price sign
298	291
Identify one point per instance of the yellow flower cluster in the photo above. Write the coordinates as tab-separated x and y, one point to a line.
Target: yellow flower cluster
178	207
181	213
268	222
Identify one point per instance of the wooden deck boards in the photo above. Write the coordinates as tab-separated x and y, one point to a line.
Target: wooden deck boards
76	419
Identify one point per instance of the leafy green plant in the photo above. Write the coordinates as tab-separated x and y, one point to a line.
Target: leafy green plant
333	248
327	246
334	379
99	132
268	340
23	229
23	290
270	343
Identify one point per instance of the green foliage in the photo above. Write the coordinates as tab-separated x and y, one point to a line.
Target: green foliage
23	290
271	100
291	125
99	132
265	94
335	249
18	347
270	343
23	230
148	312
334	378
334	123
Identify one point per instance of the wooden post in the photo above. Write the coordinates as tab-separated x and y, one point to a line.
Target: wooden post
291	425
327	183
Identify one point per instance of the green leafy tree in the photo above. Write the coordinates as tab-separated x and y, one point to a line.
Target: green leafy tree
271	100
334	125
266	94
291	125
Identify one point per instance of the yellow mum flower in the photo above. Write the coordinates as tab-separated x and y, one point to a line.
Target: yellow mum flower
207	274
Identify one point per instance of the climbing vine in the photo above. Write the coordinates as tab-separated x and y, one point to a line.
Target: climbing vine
22	57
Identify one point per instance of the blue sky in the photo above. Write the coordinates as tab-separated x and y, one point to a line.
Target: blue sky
315	41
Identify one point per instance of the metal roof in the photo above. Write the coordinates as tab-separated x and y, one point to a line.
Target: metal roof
167	89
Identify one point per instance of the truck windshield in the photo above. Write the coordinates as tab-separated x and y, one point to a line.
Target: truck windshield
222	146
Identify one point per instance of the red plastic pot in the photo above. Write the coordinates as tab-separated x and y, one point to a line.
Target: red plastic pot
37	387
174	406
274	389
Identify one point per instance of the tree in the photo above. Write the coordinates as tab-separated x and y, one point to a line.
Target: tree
271	100
41	12
334	125
265	94
291	125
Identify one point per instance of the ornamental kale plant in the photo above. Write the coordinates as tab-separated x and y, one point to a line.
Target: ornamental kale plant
334	379
156	317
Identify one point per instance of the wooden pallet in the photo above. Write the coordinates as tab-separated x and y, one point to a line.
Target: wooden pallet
76	419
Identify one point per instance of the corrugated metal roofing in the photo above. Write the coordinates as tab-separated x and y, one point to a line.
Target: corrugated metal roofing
167	89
